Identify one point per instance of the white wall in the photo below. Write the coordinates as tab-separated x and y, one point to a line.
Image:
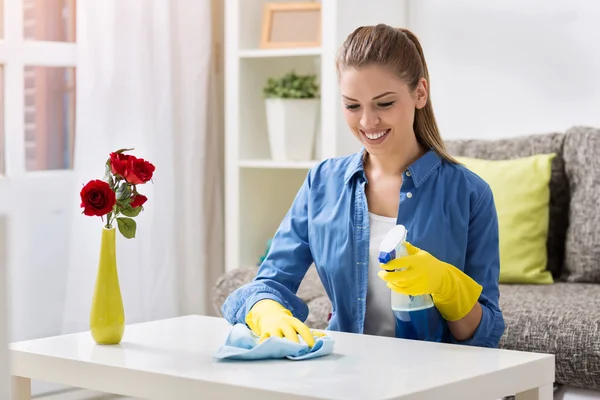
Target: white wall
503	68
39	232
40	209
4	320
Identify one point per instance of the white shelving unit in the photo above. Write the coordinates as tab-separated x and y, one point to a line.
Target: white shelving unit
259	191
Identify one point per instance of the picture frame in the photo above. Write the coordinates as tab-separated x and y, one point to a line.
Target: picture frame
290	25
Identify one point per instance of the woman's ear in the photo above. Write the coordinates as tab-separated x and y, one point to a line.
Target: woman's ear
421	94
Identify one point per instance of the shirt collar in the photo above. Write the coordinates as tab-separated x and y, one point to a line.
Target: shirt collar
420	170
355	165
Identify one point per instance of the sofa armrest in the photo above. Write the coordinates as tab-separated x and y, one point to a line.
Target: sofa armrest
228	282
310	288
319	310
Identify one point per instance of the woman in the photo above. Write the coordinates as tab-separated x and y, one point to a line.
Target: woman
403	175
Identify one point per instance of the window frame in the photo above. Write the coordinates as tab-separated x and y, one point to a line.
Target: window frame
15	54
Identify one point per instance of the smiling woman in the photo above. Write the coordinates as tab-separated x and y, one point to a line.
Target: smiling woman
347	205
372	134
386	91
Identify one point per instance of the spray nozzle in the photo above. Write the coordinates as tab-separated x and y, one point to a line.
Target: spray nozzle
392	246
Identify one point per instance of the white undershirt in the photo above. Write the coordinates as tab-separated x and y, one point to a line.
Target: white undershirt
379	319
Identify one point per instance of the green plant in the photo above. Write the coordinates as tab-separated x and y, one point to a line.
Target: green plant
292	86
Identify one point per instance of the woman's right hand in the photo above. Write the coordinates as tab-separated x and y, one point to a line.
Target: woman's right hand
267	318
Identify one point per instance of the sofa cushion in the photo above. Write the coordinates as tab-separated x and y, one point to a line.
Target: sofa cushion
522	195
582	158
524	146
561	319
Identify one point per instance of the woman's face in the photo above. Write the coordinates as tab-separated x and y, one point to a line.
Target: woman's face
379	108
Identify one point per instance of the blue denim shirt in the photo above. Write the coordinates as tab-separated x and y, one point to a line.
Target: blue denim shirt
448	211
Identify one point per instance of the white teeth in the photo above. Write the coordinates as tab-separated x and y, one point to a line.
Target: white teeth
374	136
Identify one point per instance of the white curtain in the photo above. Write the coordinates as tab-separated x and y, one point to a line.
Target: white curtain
144	81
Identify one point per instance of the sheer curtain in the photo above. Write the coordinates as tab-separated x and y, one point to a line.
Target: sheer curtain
145	81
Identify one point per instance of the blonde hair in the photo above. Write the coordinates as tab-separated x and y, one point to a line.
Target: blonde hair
400	50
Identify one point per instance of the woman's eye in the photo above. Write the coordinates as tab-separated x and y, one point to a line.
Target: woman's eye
386	105
351	106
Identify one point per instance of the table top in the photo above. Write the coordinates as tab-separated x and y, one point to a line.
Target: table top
174	357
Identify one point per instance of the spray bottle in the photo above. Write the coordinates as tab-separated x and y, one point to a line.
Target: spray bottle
416	316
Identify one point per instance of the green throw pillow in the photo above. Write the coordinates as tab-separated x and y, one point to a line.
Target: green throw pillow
522	197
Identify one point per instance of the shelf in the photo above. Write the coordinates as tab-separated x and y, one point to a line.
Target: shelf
253	74
270	164
265	196
259	190
291	52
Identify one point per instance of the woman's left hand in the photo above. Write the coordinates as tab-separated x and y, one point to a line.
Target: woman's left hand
416	274
454	293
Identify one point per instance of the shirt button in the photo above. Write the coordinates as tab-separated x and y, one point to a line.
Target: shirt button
409	195
407	173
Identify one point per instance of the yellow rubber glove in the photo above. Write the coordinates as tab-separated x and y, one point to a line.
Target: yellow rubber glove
454	292
267	318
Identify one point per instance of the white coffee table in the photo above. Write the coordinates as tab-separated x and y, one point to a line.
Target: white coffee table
173	359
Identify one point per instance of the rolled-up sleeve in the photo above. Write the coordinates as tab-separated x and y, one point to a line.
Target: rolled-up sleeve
483	265
284	267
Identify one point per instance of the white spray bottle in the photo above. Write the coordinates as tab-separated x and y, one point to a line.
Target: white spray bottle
416	316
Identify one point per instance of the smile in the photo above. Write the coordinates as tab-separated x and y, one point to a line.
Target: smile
375	136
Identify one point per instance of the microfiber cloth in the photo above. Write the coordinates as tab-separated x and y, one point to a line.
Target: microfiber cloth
242	344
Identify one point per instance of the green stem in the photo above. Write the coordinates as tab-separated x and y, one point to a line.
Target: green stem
108	220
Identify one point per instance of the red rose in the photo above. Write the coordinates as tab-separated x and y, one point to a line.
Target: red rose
138	200
97	198
138	171
118	163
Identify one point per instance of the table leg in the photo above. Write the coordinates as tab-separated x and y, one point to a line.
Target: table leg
21	388
545	392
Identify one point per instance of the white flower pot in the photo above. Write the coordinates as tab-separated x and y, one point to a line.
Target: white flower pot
291	125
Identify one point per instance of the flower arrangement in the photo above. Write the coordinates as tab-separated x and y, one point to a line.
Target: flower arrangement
116	197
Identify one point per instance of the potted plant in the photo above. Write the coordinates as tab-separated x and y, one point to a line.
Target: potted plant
292	110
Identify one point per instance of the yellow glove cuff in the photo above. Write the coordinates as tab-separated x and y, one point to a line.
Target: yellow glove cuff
458	295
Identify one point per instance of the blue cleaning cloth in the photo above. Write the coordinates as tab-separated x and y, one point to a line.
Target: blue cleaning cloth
242	344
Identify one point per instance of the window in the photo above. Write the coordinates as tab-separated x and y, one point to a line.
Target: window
38	60
49	20
49	100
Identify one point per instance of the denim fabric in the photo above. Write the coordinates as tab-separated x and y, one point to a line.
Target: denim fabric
448	211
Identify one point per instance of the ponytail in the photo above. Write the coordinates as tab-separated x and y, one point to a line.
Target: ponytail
425	124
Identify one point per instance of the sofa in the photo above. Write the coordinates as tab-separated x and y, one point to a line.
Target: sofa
562	318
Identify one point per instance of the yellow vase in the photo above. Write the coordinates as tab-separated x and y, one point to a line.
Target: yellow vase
107	317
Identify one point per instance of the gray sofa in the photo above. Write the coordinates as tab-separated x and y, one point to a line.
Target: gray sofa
562	318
